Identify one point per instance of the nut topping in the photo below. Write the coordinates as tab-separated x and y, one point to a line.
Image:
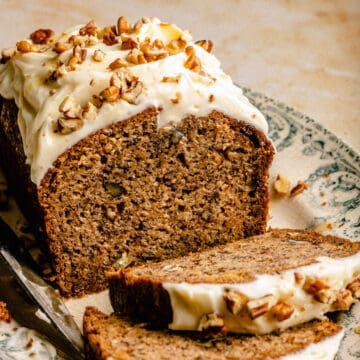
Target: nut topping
235	301
89	29
326	296
354	287
122	25
66	126
259	307
135	56
205	44
109	36
42	36
212	323
60	47
7	54
98	55
299	188
281	185
344	300
282	311
313	286
110	94
25	46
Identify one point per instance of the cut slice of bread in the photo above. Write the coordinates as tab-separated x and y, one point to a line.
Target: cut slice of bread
256	285
113	337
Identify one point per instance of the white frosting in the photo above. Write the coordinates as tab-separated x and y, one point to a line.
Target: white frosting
323	350
191	302
20	343
22	79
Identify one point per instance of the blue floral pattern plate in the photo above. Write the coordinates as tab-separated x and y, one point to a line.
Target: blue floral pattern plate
306	152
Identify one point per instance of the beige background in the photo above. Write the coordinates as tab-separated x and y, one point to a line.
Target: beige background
304	53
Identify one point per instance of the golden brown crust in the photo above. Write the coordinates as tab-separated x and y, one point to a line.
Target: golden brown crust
147	193
122	338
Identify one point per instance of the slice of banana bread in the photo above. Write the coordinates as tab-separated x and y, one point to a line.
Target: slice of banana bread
272	281
113	337
128	142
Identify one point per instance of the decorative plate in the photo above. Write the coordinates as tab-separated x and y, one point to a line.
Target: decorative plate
309	153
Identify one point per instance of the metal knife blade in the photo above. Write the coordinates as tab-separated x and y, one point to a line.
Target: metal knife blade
16	257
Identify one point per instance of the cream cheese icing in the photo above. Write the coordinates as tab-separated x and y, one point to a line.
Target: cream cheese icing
18	343
192	302
26	77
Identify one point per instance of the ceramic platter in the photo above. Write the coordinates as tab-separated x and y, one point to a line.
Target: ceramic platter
305	152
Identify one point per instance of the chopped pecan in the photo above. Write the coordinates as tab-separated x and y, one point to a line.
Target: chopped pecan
205	44
128	43
89	111
110	94
60	47
117	64
42	36
354	287
326	296
212	323
98	55
299	188
109	36
122	25
282	311
70	107
175	46
282	185
312	286
135	56
344	300
68	125
7	54
132	93
298	277
89	29
235	301
260	306
25	46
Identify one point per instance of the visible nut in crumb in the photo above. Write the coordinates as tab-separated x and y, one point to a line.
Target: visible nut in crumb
110	213
235	301
299	188
344	300
122	25
354	287
282	185
89	29
98	55
260	306
25	46
205	44
60	47
42	36
282	311
212	323
124	261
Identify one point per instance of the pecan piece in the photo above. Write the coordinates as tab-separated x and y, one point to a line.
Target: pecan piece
354	287
205	44
42	36
344	300
298	188
89	29
260	306
66	126
110	94
235	301
25	47
122	25
282	185
212	323
60	47
109	36
282	311
312	286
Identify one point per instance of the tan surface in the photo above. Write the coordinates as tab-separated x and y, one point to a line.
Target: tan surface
304	53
